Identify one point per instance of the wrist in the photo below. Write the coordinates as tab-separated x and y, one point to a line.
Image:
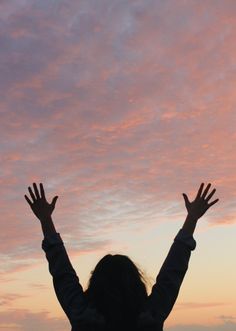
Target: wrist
191	218
48	227
190	224
45	218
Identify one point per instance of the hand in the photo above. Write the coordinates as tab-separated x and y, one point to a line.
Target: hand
200	204
41	208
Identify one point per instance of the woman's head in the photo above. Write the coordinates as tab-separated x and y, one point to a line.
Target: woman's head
117	288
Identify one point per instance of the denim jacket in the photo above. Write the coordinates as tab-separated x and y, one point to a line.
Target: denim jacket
159	304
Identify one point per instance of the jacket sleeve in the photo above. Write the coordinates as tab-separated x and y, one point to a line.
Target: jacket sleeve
68	290
165	291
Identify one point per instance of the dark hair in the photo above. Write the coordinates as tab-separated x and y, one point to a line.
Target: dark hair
117	290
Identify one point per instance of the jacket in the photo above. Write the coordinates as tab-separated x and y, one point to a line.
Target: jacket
160	302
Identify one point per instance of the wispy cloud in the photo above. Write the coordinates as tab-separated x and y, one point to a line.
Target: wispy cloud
103	109
8	299
15	320
227	326
197	305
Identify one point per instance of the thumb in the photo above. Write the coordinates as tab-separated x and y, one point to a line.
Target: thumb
186	199
54	200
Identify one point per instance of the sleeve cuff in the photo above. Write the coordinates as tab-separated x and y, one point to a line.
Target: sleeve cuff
186	239
51	241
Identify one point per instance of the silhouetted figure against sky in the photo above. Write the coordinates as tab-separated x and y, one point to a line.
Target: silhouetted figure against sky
116	297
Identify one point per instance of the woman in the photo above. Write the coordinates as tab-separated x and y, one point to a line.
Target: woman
116	298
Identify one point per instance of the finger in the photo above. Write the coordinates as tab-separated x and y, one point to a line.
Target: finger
186	199
36	191
31	194
28	200
42	191
213	202
54	200
206	191
199	191
210	195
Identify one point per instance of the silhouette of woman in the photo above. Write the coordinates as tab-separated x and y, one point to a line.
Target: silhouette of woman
116	297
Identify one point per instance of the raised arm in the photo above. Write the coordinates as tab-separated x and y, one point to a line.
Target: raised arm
165	291
66	283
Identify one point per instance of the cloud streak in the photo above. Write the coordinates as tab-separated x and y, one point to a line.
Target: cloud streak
228	326
25	320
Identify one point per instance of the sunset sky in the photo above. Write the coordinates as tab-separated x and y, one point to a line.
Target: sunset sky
118	107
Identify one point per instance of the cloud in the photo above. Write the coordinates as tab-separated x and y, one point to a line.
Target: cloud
197	305
27	321
227	326
227	318
118	108
38	286
8	299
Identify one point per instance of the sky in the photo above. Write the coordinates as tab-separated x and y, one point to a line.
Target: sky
118	107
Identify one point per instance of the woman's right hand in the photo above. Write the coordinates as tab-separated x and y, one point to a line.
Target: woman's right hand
40	207
201	203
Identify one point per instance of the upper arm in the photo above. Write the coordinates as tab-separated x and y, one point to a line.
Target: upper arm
165	291
66	283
